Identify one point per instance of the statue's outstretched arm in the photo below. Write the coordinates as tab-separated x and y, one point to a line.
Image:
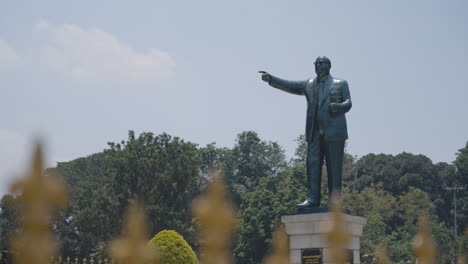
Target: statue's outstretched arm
294	87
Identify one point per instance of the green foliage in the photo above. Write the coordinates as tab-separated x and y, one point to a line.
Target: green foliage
442	199
261	184
397	173
394	220
374	233
211	156
300	155
462	163
160	170
261	211
374	198
10	213
463	244
172	248
445	241
253	159
391	191
99	252
92	217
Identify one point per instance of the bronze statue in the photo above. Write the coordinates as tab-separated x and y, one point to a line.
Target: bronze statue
328	99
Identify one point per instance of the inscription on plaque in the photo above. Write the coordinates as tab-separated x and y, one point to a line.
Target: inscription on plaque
311	256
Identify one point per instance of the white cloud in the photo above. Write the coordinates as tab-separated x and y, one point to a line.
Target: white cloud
93	54
8	57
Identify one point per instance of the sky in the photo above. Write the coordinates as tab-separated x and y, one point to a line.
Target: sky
79	74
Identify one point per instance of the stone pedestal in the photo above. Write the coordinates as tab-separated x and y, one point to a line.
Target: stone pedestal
305	233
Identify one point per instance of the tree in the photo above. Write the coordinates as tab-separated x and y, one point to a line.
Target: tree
394	220
397	173
443	199
258	218
213	157
411	205
256	159
166	173
159	170
10	212
374	233
261	211
246	163
461	162
276	192
300	155
92	217
172	248
373	199
462	244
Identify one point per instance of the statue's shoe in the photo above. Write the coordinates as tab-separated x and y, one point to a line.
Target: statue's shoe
308	203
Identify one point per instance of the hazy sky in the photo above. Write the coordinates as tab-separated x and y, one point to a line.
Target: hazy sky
82	73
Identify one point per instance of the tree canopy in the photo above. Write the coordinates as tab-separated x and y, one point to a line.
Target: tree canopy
172	248
166	173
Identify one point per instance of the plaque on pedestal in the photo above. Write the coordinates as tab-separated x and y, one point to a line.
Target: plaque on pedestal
306	237
311	256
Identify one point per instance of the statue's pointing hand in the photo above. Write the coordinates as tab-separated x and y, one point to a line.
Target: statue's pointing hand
265	76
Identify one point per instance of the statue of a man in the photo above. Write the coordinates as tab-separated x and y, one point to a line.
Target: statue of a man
328	99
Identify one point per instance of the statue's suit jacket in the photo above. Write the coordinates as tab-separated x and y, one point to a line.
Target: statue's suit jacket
334	126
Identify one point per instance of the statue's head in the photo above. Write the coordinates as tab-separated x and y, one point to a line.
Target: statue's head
322	66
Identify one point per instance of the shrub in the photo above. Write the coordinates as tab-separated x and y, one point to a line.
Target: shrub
172	248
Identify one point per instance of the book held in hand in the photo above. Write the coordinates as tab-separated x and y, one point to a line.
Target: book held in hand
336	97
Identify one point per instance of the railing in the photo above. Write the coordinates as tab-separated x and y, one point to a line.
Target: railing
214	211
76	260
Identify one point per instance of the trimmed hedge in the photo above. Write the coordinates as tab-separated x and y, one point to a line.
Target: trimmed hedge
172	248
